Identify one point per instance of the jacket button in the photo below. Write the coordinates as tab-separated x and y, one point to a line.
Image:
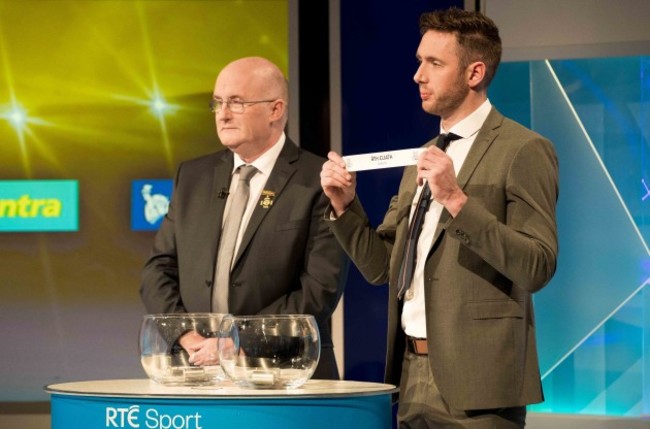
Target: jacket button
462	235
208	283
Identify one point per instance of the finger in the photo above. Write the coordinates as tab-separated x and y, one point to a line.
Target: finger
422	176
423	164
434	150
335	158
336	177
334	167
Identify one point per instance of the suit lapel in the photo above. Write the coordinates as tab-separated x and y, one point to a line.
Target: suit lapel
486	136
221	177
280	175
484	140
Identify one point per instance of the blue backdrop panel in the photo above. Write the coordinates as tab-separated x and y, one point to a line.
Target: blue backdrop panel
593	325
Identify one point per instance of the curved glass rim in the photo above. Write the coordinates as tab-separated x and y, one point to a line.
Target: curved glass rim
269	316
183	315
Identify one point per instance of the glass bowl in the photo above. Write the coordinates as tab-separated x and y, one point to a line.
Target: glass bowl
269	351
180	349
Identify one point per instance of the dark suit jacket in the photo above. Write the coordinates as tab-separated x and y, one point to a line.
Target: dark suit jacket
288	261
481	270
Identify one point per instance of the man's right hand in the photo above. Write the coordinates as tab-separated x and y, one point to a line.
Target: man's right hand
202	351
339	185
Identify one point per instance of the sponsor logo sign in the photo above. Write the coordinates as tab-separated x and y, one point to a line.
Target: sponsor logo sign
39	205
133	417
149	203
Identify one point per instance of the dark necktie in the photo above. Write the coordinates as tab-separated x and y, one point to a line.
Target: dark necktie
410	250
228	241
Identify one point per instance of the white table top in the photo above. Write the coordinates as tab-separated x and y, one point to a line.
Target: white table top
224	389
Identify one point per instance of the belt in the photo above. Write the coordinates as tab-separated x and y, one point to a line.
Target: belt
417	346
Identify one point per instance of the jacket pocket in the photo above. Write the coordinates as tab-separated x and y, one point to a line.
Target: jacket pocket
496	309
289	225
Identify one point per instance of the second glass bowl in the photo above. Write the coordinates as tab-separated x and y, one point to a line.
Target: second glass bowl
269	351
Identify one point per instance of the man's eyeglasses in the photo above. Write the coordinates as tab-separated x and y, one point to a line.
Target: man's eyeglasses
235	106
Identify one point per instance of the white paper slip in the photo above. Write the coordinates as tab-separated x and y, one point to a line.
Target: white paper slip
388	159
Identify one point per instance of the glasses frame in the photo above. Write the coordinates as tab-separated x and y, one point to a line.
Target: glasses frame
217	105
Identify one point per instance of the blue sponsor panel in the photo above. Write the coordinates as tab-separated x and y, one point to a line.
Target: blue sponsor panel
39	205
149	203
276	412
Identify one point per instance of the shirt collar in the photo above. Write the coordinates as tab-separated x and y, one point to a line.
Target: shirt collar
266	161
472	122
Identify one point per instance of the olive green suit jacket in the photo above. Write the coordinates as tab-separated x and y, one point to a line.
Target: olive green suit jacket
482	269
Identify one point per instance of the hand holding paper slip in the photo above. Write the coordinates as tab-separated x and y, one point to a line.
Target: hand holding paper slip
388	159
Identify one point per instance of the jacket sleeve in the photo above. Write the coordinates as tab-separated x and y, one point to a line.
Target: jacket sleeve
370	249
159	287
523	246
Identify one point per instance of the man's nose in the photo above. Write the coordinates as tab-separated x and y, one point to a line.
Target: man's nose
418	77
224	113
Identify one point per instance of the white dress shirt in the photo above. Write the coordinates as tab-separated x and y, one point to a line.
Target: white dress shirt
413	314
264	165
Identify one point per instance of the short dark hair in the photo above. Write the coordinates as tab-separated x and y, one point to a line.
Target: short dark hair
477	35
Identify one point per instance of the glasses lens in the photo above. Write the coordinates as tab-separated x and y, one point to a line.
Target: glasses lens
236	106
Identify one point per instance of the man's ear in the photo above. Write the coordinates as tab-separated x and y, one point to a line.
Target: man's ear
476	74
278	109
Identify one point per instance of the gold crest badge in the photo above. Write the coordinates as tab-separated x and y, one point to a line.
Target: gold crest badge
266	200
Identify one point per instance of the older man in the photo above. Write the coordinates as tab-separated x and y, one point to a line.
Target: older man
267	252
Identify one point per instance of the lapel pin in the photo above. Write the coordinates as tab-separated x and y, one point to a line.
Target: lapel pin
266	200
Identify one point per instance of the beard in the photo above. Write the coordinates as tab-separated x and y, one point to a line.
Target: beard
445	103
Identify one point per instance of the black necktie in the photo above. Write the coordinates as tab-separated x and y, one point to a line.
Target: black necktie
410	250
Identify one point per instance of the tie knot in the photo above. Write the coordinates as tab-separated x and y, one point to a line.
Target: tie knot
445	139
246	172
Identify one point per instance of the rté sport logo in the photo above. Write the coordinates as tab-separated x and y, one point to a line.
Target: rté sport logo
131	417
